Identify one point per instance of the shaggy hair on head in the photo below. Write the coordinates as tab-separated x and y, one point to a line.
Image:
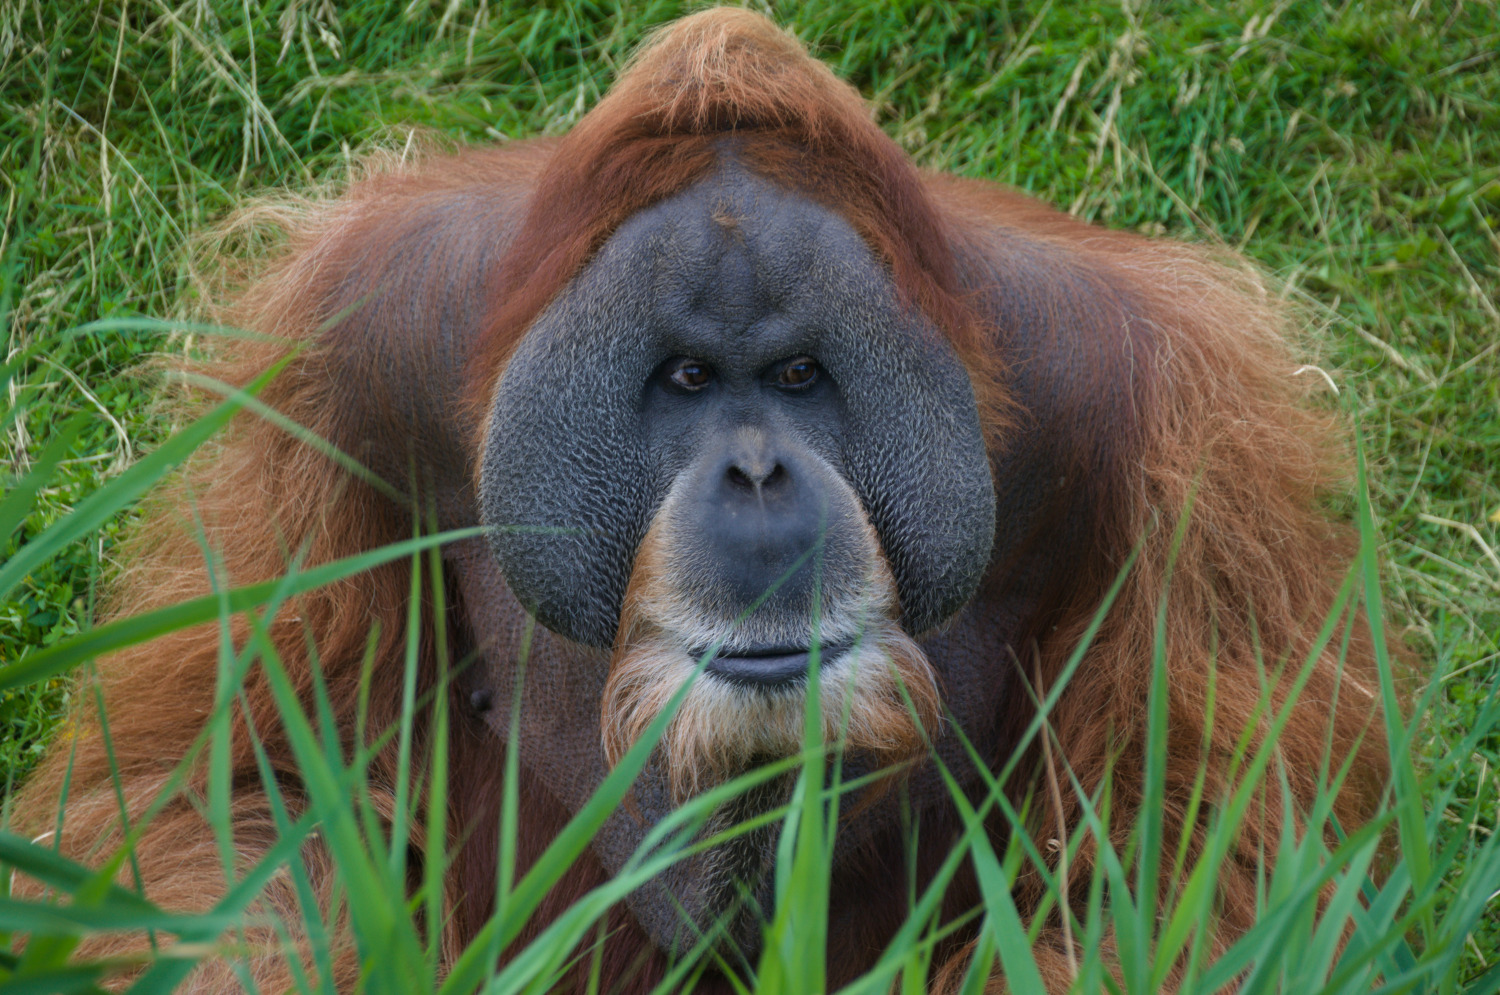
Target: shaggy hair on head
1124	384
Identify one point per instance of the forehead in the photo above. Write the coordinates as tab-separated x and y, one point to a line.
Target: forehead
736	259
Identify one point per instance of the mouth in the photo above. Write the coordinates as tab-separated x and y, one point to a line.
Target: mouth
772	667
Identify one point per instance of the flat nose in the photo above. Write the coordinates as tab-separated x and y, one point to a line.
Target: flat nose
769	500
757	474
761	508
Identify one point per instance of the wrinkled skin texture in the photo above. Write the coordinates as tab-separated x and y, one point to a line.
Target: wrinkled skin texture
586	441
599	347
573	444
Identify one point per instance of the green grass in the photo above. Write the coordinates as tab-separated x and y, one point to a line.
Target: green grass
1353	150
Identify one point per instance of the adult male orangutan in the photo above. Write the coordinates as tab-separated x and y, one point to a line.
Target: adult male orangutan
725	375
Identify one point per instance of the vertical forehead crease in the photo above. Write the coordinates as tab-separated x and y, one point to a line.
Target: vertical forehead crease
703	265
815	257
784	233
679	252
733	252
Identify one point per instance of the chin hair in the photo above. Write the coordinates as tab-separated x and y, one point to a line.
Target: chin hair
878	698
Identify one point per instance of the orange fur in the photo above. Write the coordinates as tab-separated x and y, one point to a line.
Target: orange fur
716	733
1213	417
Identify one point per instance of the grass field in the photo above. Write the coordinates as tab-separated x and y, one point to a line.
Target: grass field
1352	150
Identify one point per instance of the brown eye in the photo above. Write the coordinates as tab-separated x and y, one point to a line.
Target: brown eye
799	372
691	375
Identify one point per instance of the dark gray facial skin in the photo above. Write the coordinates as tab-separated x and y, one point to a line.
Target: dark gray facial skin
586	436
590	430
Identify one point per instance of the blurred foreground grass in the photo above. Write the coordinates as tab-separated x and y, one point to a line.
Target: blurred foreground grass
1353	150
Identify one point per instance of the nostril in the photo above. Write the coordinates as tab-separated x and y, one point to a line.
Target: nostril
753	479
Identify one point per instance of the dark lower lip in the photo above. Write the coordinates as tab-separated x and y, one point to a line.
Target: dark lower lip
770	668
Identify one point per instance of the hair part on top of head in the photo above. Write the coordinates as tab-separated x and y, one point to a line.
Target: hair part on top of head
726	74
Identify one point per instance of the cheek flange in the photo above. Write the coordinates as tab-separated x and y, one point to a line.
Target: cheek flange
569	477
565	486
914	453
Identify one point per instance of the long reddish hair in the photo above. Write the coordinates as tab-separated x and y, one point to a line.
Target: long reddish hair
728	82
1187	400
